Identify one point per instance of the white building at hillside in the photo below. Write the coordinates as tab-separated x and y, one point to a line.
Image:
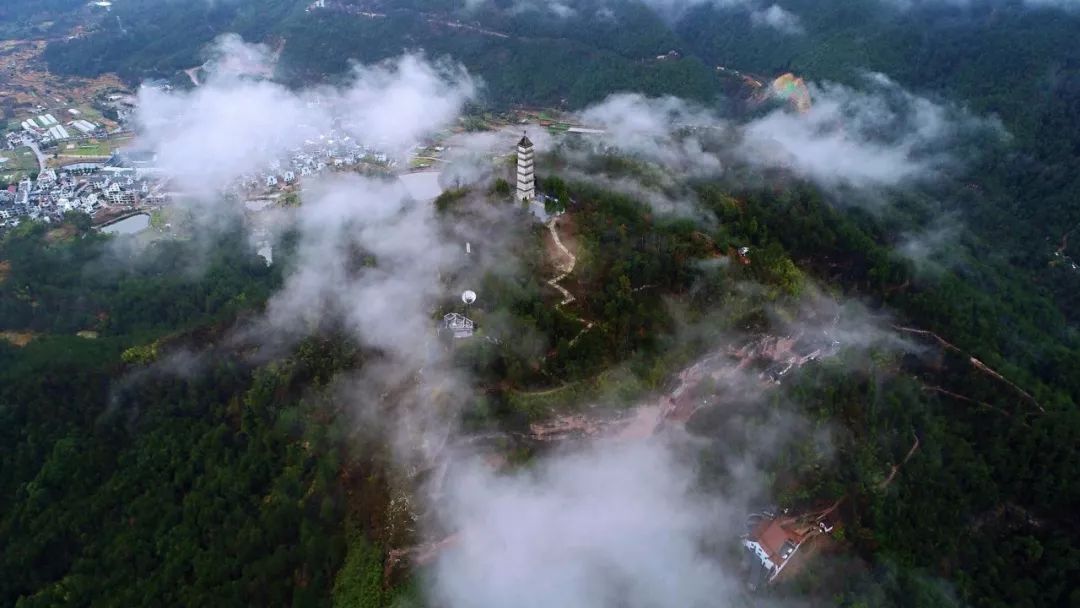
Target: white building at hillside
770	547
458	325
526	180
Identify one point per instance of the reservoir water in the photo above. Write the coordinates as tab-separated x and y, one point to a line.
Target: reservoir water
129	225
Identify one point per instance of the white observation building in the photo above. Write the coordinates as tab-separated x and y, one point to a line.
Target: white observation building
526	181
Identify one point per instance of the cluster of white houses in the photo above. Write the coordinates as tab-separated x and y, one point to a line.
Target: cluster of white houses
314	157
127	181
87	187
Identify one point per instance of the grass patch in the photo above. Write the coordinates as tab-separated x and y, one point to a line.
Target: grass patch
94	147
63	233
360	582
616	387
18	163
87	112
158	219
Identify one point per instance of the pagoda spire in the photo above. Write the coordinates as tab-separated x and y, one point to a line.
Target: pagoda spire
526	180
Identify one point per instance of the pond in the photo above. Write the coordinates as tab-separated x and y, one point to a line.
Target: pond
422	186
258	204
129	225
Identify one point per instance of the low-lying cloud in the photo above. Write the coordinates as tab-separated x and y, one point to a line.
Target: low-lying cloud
614	524
237	122
778	18
1031	4
881	136
878	136
649	129
932	250
761	13
1064	4
368	253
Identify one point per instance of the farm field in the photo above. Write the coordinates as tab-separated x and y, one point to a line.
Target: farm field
16	164
87	150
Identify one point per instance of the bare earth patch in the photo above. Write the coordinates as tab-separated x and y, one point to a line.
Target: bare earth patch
29	82
17	338
62	233
812	547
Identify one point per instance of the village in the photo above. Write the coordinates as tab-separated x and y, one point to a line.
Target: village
48	189
127	182
121	180
71	145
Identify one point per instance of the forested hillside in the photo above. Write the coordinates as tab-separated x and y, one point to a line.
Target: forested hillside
159	463
531	58
145	466
31	18
150	38
998	58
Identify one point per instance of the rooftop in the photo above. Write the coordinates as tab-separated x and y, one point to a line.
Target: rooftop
777	539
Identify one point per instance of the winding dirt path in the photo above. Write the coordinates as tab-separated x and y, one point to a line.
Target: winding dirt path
193	74
896	467
975	362
564	270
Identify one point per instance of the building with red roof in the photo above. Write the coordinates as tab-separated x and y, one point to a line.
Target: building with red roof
769	547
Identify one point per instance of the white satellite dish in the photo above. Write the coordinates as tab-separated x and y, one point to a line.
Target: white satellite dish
469	296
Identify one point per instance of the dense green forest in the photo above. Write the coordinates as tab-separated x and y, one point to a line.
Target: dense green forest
522	60
33	18
156	463
154	38
996	57
145	466
987	503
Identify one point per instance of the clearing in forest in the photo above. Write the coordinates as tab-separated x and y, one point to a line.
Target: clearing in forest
17	338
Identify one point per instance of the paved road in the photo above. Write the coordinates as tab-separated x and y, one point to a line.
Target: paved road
37	152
